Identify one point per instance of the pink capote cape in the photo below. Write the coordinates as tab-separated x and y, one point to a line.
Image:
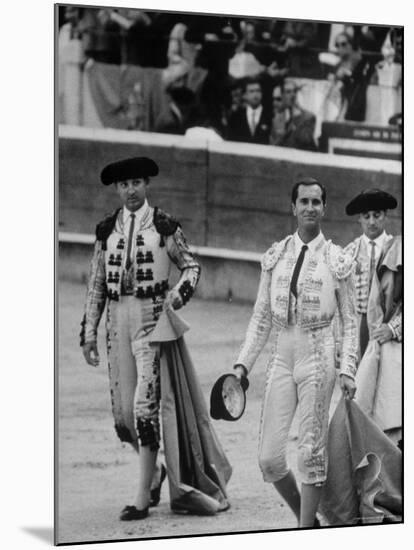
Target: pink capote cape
364	483
197	467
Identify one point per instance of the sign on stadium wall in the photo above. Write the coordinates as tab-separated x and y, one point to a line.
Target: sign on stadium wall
356	139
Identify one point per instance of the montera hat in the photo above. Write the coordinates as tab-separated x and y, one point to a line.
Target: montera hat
228	397
372	199
136	167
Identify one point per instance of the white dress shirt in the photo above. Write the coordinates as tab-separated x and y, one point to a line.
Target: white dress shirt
379	244
312	245
253	117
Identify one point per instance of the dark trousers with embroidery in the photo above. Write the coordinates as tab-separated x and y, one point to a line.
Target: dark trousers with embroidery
301	374
134	369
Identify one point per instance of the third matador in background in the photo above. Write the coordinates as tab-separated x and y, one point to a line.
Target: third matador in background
305	280
371	206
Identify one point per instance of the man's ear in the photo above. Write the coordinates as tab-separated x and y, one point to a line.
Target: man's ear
293	209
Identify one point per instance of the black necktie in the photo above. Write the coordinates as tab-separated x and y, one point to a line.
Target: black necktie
296	271
371	262
130	235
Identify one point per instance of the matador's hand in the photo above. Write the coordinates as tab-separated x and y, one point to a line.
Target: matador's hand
383	334
90	352
174	299
348	386
240	371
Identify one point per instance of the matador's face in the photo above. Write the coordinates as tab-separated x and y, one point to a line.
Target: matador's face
309	208
132	192
373	223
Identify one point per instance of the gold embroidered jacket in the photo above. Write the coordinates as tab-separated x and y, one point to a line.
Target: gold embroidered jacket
160	243
325	287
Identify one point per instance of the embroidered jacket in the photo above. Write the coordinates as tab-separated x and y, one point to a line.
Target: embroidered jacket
358	250
325	287
159	243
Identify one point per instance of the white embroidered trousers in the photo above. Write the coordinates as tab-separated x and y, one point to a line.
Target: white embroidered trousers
134	368
301	373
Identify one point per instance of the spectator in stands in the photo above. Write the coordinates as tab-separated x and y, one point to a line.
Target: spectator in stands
69	21
177	117
278	129
292	126
132	24
297	39
232	102
101	36
370	38
353	73
396	38
135	108
179	49
388	73
251	123
348	57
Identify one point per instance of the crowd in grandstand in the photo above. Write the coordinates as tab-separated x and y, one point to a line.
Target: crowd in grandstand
238	77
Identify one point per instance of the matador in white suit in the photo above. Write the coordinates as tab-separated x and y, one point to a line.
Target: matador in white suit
305	280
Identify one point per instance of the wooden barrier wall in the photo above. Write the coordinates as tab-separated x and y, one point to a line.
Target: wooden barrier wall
226	195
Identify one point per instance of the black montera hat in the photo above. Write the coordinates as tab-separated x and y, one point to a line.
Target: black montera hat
228	397
136	167
372	199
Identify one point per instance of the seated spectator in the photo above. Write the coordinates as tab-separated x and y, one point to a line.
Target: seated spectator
251	123
179	113
292	126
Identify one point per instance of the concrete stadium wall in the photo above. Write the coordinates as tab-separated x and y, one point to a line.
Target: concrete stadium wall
249	189
180	188
226	195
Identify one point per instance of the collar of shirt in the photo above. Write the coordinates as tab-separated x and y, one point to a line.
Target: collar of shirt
257	113
139	214
379	243
312	245
176	111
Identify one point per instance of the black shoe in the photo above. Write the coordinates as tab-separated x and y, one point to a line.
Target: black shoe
130	513
155	494
316	523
